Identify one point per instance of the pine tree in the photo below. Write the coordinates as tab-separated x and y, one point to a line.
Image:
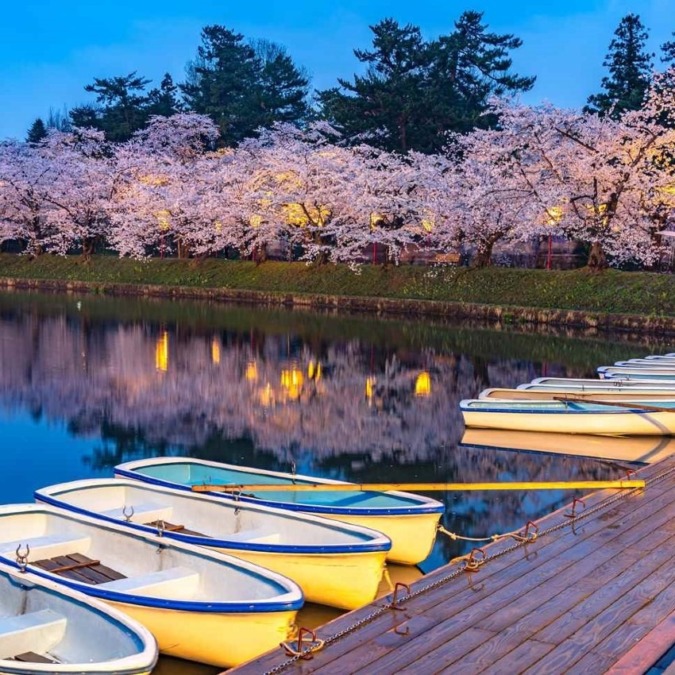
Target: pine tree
390	96
163	100
417	91
121	106
242	86
37	132
283	86
629	67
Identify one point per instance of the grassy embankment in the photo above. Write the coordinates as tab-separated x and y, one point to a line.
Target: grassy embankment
647	294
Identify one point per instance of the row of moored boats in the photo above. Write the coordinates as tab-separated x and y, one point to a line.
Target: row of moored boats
98	575
634	397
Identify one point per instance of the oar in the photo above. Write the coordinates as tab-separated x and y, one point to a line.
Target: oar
422	487
618	404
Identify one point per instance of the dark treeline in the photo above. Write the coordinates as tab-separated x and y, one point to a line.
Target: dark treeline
410	94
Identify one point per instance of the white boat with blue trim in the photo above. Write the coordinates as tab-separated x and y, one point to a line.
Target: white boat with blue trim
409	520
46	628
590	384
199	605
633	418
637	373
334	563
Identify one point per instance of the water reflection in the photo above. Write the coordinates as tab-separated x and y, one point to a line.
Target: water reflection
342	397
86	383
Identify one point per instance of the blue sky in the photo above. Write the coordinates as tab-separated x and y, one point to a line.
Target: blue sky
49	50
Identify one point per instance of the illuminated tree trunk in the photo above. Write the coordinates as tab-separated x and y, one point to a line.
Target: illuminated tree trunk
597	260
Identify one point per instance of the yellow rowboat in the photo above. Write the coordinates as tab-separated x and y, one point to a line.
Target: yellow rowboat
572	416
604	394
199	605
642	449
409	520
46	628
334	563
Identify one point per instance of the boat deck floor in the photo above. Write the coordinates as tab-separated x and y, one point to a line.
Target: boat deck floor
79	567
593	593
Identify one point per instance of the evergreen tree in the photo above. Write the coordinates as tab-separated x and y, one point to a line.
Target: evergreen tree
390	96
417	91
37	131
283	86
222	83
243	87
629	67
121	106
163	100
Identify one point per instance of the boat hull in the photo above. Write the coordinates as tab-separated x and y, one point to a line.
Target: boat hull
412	536
343	580
627	423
221	640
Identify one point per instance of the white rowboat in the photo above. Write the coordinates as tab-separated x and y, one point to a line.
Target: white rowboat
199	605
334	563
409	520
46	628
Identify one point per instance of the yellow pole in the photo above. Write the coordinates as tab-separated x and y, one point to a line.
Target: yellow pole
424	487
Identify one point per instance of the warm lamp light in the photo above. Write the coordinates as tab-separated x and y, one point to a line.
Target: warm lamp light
423	384
215	351
162	352
251	373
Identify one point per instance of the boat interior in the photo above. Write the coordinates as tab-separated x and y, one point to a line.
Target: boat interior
116	560
39	625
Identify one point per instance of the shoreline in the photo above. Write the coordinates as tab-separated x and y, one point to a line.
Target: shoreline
373	306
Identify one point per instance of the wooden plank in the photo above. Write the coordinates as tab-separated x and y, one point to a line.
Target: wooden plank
648	650
50	564
107	572
598	626
171	527
32	657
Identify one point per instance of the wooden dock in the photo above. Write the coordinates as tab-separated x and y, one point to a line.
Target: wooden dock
592	594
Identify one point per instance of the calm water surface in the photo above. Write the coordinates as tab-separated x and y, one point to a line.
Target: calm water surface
87	383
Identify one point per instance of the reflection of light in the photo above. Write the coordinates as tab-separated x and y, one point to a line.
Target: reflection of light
251	371
291	381
162	352
423	384
266	396
215	351
314	370
370	383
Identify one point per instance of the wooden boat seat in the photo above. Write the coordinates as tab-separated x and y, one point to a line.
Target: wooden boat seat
172	527
32	657
173	582
143	512
80	568
47	546
37	631
258	535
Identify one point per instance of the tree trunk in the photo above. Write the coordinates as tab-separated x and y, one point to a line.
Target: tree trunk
182	249
596	257
483	255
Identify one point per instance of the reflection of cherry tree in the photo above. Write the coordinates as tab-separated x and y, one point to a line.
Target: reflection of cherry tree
181	389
